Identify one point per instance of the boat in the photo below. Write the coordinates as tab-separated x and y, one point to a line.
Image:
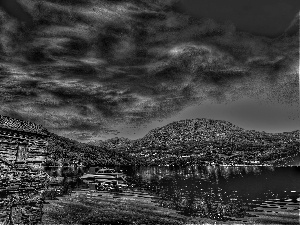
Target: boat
103	174
111	185
105	179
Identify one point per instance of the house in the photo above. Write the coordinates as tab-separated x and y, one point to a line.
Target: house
22	147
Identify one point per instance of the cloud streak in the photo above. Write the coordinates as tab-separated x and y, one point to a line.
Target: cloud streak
86	70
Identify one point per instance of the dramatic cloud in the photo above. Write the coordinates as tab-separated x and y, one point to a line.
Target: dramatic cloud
293	28
90	69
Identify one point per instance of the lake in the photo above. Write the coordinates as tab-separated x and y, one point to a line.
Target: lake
216	192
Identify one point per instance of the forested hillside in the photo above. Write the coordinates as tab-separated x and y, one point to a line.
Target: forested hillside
65	150
207	141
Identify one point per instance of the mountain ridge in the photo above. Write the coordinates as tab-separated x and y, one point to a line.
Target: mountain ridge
201	141
157	129
206	141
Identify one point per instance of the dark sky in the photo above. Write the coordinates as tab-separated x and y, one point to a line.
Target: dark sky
265	17
15	9
90	70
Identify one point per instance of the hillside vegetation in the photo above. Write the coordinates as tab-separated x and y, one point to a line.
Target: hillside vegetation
207	141
66	151
202	141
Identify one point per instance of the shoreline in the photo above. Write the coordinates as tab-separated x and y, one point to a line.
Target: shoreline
277	161
104	208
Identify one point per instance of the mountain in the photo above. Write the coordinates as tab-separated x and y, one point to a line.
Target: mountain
119	143
62	150
207	140
186	132
189	131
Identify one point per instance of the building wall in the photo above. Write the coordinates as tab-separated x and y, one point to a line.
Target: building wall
16	146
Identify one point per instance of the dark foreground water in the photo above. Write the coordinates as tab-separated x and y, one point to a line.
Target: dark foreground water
220	192
215	192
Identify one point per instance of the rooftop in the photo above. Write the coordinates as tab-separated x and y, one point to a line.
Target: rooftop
21	125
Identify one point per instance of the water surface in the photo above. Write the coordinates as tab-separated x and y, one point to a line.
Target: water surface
215	192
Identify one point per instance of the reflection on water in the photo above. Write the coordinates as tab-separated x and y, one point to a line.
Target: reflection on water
216	192
222	192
